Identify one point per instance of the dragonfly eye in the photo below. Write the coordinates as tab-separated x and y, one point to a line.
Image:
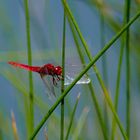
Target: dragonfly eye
58	70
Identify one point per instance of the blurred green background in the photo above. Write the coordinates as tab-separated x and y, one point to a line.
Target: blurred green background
96	19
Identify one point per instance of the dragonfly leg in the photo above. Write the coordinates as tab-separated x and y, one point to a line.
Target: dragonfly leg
54	82
59	77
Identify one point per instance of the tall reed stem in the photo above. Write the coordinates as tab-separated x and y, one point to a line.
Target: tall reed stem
127	70
29	51
104	68
63	75
125	18
107	97
90	85
72	117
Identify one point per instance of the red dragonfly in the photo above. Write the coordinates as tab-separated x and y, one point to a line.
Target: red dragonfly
54	73
48	69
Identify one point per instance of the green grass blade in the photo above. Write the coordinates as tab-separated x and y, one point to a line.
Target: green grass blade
72	117
91	87
70	16
117	87
104	67
31	97
109	101
99	54
127	70
102	40
80	124
63	74
98	110
126	19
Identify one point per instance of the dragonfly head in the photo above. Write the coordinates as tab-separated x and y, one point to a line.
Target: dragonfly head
58	70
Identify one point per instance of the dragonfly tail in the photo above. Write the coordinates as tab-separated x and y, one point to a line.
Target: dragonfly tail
26	67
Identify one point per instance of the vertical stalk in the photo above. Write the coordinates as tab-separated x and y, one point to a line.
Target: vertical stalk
29	51
104	67
127	70
117	92
72	117
63	74
104	61
107	97
126	20
90	85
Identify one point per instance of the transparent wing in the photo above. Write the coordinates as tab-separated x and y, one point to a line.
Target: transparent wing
47	80
69	79
71	73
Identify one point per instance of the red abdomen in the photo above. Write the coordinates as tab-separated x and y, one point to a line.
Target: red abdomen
26	67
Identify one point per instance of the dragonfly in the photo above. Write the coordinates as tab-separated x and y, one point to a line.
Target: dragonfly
53	74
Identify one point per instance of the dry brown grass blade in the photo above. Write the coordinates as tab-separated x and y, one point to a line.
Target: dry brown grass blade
14	126
45	133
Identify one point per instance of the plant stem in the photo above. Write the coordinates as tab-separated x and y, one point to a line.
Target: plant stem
97	56
104	68
127	70
107	97
104	62
126	11
29	51
63	74
91	87
117	86
72	117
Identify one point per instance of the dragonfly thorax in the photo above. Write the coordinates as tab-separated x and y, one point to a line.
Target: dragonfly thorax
48	69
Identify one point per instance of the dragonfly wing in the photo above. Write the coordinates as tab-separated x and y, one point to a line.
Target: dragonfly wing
70	79
71	73
47	80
